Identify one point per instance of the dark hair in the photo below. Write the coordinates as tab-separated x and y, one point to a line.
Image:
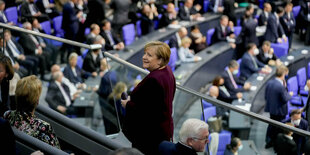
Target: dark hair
126	151
223	17
216	80
279	10
194	27
104	22
250	46
6	62
295	111
233	143
250	6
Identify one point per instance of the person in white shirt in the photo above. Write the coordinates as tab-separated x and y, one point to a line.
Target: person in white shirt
185	54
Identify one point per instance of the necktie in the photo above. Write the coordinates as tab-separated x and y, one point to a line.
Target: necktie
110	38
232	79
254	62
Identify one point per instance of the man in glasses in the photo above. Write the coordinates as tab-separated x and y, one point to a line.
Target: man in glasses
193	135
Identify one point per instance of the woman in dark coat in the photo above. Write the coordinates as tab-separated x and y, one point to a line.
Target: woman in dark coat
148	120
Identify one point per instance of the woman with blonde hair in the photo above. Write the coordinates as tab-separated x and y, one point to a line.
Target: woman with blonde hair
28	91
149	107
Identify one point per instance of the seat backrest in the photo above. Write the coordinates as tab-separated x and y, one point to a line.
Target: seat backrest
292	85
167	42
138	27
296	10
87	31
46	26
210	33
129	33
280	49
173	58
237	30
206	5
209	112
308	70
11	14
80	61
206	104
301	77
57	21
224	139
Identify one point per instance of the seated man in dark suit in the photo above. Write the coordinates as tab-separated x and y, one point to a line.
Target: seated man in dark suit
168	17
3	18
58	95
188	12
231	81
29	10
250	64
176	40
111	39
300	123
263	18
194	136
32	47
274	31
223	33
46	7
94	31
92	62
276	96
266	55
224	94
284	143
147	19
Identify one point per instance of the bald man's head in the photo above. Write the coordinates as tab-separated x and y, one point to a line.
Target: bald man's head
55	68
182	32
214	91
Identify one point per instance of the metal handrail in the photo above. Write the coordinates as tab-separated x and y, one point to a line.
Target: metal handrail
187	90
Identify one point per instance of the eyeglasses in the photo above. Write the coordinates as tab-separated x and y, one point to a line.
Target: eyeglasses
206	139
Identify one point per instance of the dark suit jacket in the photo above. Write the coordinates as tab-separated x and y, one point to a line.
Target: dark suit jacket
54	96
230	10
169	148
248	32
105	89
25	11
276	97
300	140
304	11
229	85
247	67
285	146
7	141
70	23
225	98
89	64
147	25
81	74
212	4
96	12
219	35
261	57
108	45
288	24
165	20
274	30
2	18
263	19
121	10
28	45
157	89
173	42
183	15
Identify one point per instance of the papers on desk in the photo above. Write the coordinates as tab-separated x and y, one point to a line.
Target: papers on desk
246	107
260	78
200	18
184	23
304	52
174	26
253	88
261	29
82	98
290	57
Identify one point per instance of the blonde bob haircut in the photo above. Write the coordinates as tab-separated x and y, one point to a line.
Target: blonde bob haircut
186	40
27	94
162	51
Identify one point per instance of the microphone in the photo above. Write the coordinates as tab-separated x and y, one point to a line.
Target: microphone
124	96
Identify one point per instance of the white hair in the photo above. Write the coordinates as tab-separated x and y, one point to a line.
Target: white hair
26	24
192	128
